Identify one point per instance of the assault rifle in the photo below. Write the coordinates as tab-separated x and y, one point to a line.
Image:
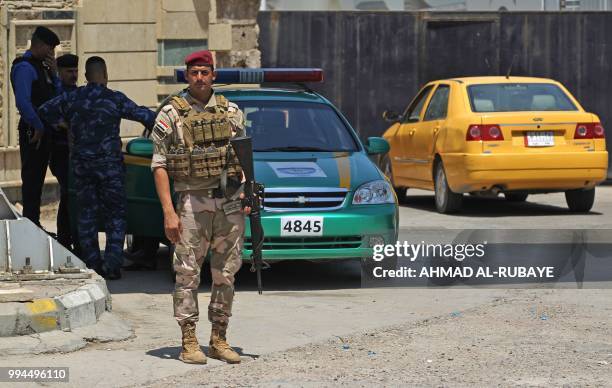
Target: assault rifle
243	147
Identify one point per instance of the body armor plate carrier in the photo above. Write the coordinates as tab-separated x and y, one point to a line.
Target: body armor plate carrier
207	150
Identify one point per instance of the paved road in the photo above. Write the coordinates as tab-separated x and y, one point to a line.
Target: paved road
540	211
306	302
302	303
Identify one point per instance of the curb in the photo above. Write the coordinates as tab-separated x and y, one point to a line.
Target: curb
81	307
108	328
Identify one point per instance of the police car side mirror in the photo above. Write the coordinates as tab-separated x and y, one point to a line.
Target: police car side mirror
377	145
140	147
390	116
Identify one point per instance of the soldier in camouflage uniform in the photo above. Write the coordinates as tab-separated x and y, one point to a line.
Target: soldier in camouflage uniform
191	145
93	114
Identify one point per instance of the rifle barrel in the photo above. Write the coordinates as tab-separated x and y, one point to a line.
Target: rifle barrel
259	285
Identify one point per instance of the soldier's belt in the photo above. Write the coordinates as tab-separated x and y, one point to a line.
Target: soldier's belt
233	189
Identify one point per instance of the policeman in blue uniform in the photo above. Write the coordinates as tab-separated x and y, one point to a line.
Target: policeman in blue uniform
67	69
93	114
34	82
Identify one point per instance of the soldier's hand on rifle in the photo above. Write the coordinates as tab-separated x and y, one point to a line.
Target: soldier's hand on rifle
246	210
173	227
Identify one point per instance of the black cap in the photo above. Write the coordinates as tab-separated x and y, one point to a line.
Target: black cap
68	60
46	35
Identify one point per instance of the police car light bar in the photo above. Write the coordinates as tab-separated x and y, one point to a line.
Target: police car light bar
258	76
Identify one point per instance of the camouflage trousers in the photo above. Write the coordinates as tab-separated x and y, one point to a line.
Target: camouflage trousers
206	226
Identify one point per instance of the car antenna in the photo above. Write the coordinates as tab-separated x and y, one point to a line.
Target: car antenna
304	86
511	64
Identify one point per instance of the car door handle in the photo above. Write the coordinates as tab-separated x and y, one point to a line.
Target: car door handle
436	129
412	131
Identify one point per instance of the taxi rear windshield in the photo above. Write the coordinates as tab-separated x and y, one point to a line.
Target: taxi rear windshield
518	97
296	126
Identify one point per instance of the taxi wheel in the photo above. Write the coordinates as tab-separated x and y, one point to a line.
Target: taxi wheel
580	201
385	166
516	197
401	194
446	200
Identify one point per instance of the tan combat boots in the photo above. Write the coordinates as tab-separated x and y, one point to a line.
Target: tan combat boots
191	352
219	348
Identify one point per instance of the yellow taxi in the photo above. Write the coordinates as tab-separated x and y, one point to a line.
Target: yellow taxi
491	135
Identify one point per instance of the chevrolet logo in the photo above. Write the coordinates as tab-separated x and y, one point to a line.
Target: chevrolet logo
301	200
538	119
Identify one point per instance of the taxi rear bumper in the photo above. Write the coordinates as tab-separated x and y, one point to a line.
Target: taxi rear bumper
551	171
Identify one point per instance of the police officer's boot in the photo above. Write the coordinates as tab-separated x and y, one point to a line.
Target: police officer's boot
191	352
219	348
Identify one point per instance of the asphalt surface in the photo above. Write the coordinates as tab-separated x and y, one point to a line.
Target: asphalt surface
306	307
540	211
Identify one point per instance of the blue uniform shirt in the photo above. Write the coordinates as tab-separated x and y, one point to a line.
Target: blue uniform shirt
63	88
60	135
93	113
24	74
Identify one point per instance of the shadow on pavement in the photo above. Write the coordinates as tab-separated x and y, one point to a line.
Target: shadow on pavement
172	353
492	207
282	276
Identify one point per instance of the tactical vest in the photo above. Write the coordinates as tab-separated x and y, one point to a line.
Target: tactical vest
42	88
206	151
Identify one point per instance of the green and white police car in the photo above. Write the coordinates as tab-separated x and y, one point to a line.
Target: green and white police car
324	198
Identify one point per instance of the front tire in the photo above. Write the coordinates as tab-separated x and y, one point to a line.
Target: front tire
580	201
516	197
446	200
387	169
135	243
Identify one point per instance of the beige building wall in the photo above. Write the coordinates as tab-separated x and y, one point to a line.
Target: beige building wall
17	22
142	41
123	33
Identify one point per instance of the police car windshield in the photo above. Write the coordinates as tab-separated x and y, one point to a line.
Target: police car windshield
295	126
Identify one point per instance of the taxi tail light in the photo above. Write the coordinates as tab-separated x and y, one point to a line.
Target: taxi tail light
484	132
598	131
589	131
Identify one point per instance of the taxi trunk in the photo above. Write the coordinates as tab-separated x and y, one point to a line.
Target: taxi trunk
537	151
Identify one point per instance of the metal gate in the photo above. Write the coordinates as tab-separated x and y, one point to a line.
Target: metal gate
375	61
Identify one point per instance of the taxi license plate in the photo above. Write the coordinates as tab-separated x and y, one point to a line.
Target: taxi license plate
301	226
540	139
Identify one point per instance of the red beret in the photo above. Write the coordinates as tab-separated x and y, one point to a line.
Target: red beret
203	57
